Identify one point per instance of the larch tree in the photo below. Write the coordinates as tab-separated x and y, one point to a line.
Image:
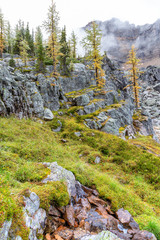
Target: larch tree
64	53
2	34
92	43
51	27
133	75
39	51
24	48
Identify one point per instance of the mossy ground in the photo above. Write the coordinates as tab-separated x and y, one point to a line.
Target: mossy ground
127	175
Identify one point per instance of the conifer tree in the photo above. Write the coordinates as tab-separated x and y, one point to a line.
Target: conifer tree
2	34
73	45
9	39
29	39
24	48
92	42
19	36
133	75
64	56
51	26
39	51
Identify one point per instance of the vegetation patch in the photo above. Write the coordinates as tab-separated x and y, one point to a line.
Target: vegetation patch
127	175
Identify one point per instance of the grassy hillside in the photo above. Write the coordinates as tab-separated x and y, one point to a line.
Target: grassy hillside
128	176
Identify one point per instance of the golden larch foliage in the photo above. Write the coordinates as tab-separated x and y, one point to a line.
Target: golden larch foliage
133	75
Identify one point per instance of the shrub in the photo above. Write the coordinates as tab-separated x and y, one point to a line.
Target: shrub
12	63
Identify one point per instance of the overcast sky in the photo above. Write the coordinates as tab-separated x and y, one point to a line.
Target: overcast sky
77	13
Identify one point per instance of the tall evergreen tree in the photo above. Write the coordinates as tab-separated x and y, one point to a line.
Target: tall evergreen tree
39	51
29	39
51	26
19	36
73	45
92	42
9	39
64	53
133	75
2	34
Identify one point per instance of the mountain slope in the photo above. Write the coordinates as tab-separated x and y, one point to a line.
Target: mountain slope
118	37
126	175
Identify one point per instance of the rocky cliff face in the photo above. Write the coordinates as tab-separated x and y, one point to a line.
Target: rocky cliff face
26	94
118	37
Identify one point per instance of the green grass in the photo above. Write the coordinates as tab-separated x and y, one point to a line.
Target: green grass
128	176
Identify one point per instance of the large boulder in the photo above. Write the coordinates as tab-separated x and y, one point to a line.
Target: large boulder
58	173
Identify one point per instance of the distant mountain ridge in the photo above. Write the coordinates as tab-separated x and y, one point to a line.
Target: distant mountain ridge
118	37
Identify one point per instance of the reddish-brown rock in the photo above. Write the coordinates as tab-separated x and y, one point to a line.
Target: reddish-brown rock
82	215
85	203
108	208
87	226
102	211
144	235
57	237
112	223
64	232
96	201
90	191
54	212
69	215
48	236
79	233
124	216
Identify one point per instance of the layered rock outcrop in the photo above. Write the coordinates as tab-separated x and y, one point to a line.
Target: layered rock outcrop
85	217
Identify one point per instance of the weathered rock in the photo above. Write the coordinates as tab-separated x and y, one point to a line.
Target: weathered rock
80	79
82	100
97	160
126	219
124	216
58	173
111	126
96	201
91	108
129	132
54	212
80	233
35	217
80	193
48	115
64	233
144	235
5	230
69	215
122	235
106	235
32	204
50	92
82	214
102	117
58	129
78	134
85	204
90	191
